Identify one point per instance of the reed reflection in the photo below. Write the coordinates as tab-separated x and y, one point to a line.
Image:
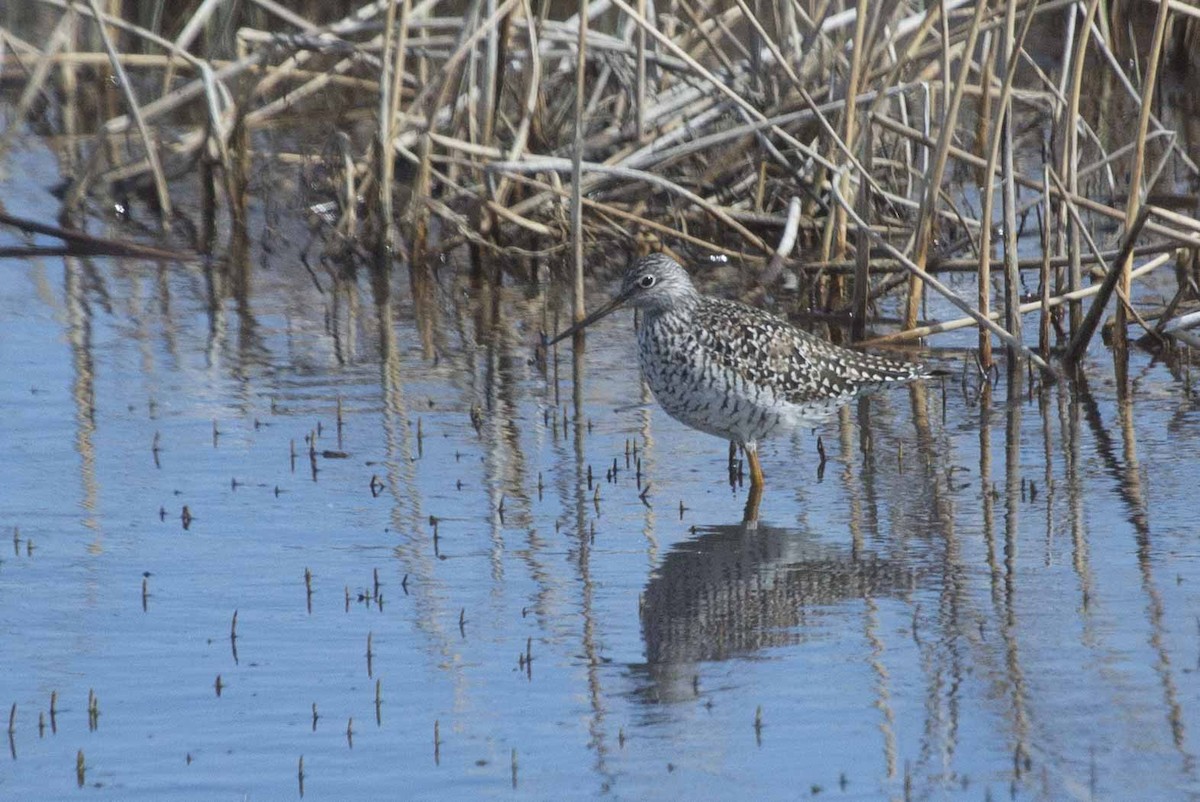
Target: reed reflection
1010	631
83	382
1126	472
582	553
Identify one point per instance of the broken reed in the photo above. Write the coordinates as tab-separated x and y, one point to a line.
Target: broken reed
721	129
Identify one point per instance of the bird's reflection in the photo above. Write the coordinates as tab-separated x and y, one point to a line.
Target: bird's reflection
732	590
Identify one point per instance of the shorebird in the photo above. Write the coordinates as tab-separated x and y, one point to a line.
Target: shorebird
734	371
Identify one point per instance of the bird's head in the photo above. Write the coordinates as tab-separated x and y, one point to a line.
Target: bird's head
656	283
653	284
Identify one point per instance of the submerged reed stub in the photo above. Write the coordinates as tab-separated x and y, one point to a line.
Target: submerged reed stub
370	655
93	709
308	589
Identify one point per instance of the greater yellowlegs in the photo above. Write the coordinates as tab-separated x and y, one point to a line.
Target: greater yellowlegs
734	371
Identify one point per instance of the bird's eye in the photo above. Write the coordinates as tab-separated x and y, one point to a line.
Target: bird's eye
646	282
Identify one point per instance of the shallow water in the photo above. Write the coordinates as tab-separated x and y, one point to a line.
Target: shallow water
982	593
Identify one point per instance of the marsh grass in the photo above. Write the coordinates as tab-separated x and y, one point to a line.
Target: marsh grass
864	149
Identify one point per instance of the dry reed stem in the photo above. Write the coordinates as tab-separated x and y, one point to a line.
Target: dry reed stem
862	262
941	155
578	307
1047	208
450	76
1114	66
970	265
385	160
1079	342
552	164
1041	305
160	179
837	223
639	119
37	80
137	31
916	270
1123	295
529	107
638	220
1093	247
742	104
1191	240
1012	276
997	133
685	104
156	61
187	35
1134	203
80	243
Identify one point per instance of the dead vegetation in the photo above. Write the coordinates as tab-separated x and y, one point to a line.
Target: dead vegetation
883	140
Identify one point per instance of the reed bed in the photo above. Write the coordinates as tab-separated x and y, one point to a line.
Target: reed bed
872	150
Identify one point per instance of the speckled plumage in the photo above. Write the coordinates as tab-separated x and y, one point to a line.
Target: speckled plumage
735	371
738	372
742	374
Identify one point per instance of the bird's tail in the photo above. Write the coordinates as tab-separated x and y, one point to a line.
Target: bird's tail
885	370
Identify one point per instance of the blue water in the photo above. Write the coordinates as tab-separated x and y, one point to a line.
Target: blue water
976	598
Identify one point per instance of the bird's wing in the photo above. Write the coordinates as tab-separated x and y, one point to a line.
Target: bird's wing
767	351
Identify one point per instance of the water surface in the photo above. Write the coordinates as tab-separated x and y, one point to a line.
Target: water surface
983	593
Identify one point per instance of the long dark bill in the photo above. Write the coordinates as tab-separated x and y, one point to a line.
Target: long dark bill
608	308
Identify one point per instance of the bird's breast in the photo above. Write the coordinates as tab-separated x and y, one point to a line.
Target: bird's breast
696	388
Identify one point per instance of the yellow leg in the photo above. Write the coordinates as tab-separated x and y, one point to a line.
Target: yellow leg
750	516
756	474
